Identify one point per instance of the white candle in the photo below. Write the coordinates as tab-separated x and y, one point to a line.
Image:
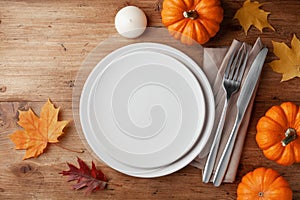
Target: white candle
130	22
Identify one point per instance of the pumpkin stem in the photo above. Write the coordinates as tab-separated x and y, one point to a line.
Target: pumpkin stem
261	194
290	135
192	14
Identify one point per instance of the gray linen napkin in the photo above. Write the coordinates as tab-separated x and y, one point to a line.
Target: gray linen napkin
214	64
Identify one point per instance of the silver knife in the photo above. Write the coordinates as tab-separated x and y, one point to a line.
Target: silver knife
242	104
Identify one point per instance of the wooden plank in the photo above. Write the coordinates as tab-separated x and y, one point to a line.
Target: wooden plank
42	46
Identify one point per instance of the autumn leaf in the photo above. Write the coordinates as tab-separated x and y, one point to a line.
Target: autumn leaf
289	59
93	179
38	131
250	14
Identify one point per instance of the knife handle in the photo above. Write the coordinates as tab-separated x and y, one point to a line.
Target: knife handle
226	155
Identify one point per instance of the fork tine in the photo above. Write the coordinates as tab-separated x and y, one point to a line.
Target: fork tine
235	64
243	67
229	64
239	71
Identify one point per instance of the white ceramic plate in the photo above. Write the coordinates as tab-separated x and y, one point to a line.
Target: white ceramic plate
149	109
88	114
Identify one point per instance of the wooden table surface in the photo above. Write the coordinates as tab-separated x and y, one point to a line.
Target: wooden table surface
42	46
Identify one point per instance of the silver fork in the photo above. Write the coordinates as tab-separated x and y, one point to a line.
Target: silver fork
231	83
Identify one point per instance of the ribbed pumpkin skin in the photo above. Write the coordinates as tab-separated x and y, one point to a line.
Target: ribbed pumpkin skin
264	184
271	130
201	29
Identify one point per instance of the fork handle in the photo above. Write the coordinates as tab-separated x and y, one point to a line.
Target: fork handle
226	155
211	159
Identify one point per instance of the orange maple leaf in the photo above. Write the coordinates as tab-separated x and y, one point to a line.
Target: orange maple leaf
38	132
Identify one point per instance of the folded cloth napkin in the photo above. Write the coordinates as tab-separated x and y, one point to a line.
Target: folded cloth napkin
214	63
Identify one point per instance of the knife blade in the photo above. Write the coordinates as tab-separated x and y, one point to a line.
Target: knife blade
242	104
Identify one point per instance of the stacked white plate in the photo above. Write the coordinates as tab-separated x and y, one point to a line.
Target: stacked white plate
147	110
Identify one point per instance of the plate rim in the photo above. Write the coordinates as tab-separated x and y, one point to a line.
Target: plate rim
200	75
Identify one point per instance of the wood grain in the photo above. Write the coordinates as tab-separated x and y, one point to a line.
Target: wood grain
42	45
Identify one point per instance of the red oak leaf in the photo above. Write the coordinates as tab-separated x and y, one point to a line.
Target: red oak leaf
93	179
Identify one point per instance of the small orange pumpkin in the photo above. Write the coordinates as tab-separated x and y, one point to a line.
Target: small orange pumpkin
263	183
192	20
278	134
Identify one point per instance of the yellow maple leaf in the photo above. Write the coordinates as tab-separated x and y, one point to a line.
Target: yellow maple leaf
250	14
289	59
38	132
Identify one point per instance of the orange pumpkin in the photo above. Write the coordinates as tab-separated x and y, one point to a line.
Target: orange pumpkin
278	133
192	20
263	183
